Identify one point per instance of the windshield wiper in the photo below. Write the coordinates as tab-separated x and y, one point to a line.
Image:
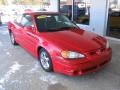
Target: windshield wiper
59	29
67	27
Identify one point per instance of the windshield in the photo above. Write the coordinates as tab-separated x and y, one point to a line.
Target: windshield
53	22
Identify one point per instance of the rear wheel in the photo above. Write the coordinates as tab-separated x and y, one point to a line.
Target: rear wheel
12	38
45	60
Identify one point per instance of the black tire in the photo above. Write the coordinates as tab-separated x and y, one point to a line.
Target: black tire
45	60
12	38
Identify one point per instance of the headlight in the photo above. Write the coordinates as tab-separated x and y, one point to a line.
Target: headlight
107	45
71	55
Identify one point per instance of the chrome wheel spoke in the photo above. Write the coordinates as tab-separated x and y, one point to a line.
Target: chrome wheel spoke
45	60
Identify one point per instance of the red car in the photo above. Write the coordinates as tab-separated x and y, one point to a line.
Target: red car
59	44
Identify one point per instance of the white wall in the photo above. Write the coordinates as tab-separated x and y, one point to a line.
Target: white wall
119	3
98	17
54	5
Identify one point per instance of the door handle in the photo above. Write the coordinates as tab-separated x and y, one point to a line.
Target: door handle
31	34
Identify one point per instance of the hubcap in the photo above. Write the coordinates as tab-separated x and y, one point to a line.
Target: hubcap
44	60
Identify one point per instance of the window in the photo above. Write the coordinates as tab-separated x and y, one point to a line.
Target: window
81	11
53	22
66	8
18	19
114	19
27	20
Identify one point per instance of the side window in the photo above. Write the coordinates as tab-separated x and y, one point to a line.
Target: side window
27	20
18	19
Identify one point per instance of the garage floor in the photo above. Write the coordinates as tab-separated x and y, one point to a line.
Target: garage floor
20	71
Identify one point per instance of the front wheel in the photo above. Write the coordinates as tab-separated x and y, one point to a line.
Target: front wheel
12	38
45	60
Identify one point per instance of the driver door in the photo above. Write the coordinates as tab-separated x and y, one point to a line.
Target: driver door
28	33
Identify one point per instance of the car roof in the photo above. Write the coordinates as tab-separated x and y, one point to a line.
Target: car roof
40	13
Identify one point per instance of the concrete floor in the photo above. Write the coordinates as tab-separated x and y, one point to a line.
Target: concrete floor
20	71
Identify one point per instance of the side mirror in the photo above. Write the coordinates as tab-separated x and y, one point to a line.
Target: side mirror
29	28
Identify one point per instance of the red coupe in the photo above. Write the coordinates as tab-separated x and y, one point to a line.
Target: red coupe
59	45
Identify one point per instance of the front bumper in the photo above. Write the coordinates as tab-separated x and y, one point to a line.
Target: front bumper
83	66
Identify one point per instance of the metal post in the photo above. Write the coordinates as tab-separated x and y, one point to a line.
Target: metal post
58	5
0	21
72	10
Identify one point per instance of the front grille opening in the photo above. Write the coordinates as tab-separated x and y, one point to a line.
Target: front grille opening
89	69
98	51
102	50
103	63
75	72
92	53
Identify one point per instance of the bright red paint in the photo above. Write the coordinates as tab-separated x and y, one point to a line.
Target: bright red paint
87	43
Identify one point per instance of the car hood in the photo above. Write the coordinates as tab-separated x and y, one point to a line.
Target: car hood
75	40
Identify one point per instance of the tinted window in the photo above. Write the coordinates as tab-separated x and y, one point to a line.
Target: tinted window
54	22
66	8
81	11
